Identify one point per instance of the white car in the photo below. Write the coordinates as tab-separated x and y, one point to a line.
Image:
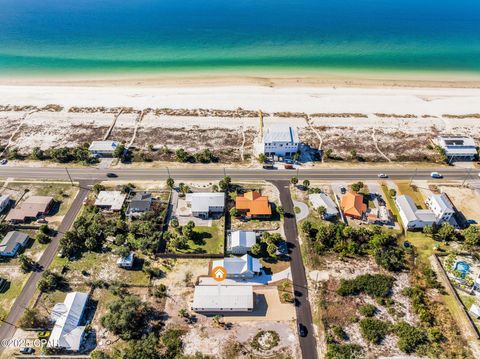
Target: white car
382	175
436	175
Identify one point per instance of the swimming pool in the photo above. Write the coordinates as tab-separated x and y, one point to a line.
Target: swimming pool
462	267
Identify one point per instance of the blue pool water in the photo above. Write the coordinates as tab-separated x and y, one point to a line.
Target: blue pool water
188	35
462	267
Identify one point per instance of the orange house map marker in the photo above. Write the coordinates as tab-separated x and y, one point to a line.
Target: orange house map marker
219	273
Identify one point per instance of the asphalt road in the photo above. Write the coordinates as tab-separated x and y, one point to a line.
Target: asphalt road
7	330
304	313
202	173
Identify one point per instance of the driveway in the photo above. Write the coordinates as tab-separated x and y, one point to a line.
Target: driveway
303	310
267	308
304	210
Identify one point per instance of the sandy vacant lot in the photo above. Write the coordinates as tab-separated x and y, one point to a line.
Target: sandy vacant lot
465	200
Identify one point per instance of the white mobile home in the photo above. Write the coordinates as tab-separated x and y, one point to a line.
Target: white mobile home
411	216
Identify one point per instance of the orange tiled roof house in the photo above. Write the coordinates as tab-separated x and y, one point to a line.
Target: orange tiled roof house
253	205
353	206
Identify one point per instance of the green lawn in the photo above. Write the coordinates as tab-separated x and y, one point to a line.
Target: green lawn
391	204
405	189
8	297
208	239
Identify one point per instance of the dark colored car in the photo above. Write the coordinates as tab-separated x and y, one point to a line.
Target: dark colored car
343	190
26	350
302	330
111	175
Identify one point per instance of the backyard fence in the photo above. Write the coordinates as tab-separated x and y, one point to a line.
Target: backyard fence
452	290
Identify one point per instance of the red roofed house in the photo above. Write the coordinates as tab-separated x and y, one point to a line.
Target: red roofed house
253	205
353	206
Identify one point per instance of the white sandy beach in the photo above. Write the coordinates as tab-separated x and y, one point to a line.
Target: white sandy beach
417	101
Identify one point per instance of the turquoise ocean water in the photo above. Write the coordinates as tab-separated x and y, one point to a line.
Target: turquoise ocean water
121	36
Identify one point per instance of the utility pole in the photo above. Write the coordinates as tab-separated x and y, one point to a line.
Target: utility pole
168	171
68	173
411	178
466	177
224	172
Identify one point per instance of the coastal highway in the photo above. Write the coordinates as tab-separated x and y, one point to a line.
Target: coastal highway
205	173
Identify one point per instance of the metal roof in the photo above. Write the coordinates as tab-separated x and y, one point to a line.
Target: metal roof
280	133
457	145
67	315
242	239
11	240
223	296
411	212
103	146
321	199
239	265
201	202
442	201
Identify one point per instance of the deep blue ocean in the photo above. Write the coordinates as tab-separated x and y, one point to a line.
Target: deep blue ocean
62	36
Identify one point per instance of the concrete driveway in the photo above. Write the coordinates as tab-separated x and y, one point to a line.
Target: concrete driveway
267	307
304	210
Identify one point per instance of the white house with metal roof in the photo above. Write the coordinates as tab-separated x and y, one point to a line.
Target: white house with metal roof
223	298
323	200
12	243
240	242
204	204
67	333
280	141
240	267
110	200
411	216
441	207
458	148
103	148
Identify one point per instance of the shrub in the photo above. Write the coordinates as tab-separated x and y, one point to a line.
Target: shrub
43	238
339	332
126	317
367	310
375	285
374	330
49	281
344	351
160	291
31	319
409	337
